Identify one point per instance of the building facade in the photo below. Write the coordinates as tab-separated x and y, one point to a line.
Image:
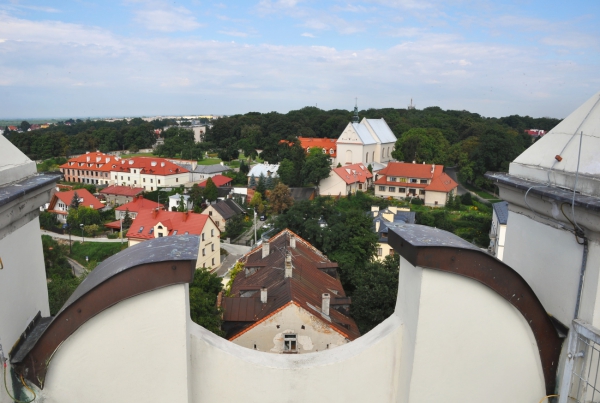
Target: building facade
371	141
346	180
427	182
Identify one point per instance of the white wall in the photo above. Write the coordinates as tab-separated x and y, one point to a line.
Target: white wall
135	351
432	197
317	335
471	345
333	185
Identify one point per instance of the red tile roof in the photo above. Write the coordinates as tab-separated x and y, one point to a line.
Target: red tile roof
174	221
353	173
95	161
122	191
218	180
304	289
66	197
148	165
138	204
327	144
440	181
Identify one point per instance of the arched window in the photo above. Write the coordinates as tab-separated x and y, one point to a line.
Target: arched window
367	158
331	151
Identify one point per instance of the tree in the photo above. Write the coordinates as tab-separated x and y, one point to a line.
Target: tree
287	172
83	215
252	181
257	202
181	207
280	199
234	226
25	125
466	199
210	191
262	186
375	292
317	167
197	197
370	168
48	220
204	290
74	201
127	220
422	145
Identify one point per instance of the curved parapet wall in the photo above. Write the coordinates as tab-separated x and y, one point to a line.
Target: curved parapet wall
440	250
141	268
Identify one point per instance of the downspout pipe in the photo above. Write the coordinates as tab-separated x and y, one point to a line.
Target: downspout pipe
581	276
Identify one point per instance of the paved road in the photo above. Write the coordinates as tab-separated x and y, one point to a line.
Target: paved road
78	269
75	237
235	252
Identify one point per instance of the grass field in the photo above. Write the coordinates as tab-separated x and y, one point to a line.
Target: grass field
210	161
96	251
138	155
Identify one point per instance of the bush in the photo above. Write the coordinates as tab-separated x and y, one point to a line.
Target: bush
416	201
466	199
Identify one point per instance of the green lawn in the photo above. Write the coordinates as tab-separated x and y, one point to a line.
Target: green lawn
138	155
481	193
210	161
96	251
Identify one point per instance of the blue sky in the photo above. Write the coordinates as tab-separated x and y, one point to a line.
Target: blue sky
87	58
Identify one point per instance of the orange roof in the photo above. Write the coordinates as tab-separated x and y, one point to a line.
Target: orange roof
122	191
85	199
95	161
354	173
148	165
440	181
177	223
328	144
218	180
138	204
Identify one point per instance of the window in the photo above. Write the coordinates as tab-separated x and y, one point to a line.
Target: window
186	233
421	192
160	234
212	232
176	179
360	186
152	181
391	252
331	151
144	180
212	247
160	227
382	188
213	261
203	252
159	181
202	236
151	187
175	232
401	190
403	180
140	230
134	171
290	343
203	264
413	181
392	189
423	181
393	179
379	251
210	213
117	177
134	182
129	178
151	231
121	177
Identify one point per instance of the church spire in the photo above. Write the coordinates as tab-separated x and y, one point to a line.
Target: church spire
355	117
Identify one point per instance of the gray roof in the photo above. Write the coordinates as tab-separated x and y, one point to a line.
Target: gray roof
382	130
400	218
228	208
501	209
302	193
363	133
211	169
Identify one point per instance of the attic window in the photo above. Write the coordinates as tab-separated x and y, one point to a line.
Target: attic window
290	343
151	231
160	227
247	293
141	229
174	232
186	232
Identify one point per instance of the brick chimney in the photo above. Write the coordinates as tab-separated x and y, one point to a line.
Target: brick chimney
155	213
185	216
265	249
325	304
288	265
263	295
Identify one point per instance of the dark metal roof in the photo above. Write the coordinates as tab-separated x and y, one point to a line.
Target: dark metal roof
302	193
501	209
138	269
305	288
227	208
440	250
550	192
16	190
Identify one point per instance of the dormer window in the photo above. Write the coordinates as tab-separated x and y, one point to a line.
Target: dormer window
141	229
160	227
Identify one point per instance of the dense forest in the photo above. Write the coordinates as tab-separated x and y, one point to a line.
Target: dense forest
473	143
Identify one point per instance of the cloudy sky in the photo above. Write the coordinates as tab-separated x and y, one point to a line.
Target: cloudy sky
86	58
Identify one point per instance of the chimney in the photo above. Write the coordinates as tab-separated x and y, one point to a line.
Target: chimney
88	159
414	162
265	249
155	213
288	265
162	164
432	168
263	295
325	304
293	241
107	160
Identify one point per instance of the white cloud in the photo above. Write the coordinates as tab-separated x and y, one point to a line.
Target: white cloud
308	35
160	16
234	33
129	75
